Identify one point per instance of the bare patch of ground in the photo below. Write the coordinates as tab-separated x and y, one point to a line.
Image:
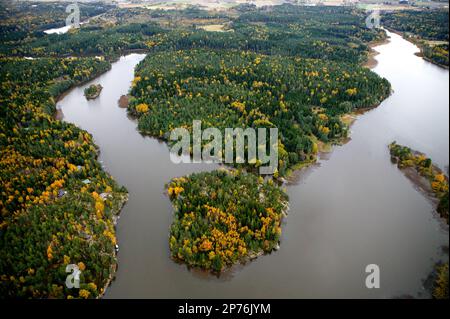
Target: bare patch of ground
123	101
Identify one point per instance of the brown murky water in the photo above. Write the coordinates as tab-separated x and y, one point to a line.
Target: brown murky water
353	209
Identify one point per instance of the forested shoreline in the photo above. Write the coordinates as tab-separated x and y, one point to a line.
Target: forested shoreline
58	205
433	183
427	29
436	181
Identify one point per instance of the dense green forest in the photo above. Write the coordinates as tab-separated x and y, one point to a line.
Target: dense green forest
57	204
423	27
243	78
333	33
88	41
303	98
223	217
428	24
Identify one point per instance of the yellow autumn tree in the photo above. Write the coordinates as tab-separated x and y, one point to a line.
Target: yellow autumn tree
142	108
351	92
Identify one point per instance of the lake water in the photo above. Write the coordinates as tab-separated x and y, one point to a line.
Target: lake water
60	30
352	209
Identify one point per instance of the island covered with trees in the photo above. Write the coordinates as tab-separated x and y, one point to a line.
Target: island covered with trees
223	217
93	91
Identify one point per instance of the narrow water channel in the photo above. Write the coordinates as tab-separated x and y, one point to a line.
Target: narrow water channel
353	209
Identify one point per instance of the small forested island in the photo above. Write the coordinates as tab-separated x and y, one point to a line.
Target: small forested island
421	170
428	29
224	217
93	91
